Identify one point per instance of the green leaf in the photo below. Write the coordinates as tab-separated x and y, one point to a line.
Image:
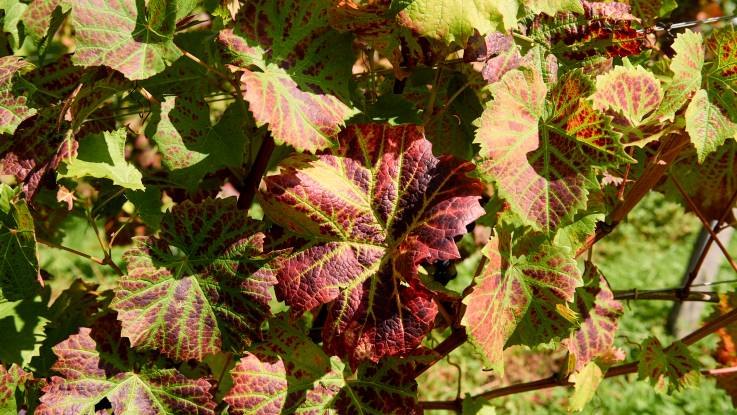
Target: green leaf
686	67
115	34
552	7
13	108
672	368
707	126
203	282
10	379
585	383
303	76
521	290
13	10
190	146
22	325
721	76
103	156
19	270
454	21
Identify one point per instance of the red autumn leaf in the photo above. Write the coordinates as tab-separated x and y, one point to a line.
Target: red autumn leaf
370	212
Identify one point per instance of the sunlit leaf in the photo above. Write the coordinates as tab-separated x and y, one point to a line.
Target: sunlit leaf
200	282
116	34
686	66
103	156
518	290
585	383
87	378
10	378
721	77
599	314
370	212
707	126
630	92
672	368
551	7
303	76
541	153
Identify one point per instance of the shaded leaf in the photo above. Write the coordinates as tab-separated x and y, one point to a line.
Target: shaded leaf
303	79
13	109
540	153
201	281
673	367
648	11
599	314
13	10
498	52
370	212
19	270
103	156
22	324
190	146
289	374
121	39
707	126
86	379
518	290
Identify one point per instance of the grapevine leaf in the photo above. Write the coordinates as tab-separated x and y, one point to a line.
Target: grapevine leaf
290	374
202	281
86	379
22	324
370	212
121	39
13	10
721	79
304	75
190	146
455	20
673	366
518	291
13	109
19	261
712	183
498	52
578	39
686	67
648	11
540	153
599	314
585	382
630	92
103	156
10	379
287	374
552	7
37	17
706	125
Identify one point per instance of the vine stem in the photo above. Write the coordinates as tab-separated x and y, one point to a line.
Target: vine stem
253	180
667	153
705	222
72	250
619	370
717	228
669	294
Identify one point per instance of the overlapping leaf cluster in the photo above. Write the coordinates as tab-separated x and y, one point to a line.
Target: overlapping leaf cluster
363	139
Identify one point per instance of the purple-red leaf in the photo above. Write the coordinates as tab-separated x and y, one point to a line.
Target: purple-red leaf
13	109
519	292
599	314
201	280
370	212
9	380
86	379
